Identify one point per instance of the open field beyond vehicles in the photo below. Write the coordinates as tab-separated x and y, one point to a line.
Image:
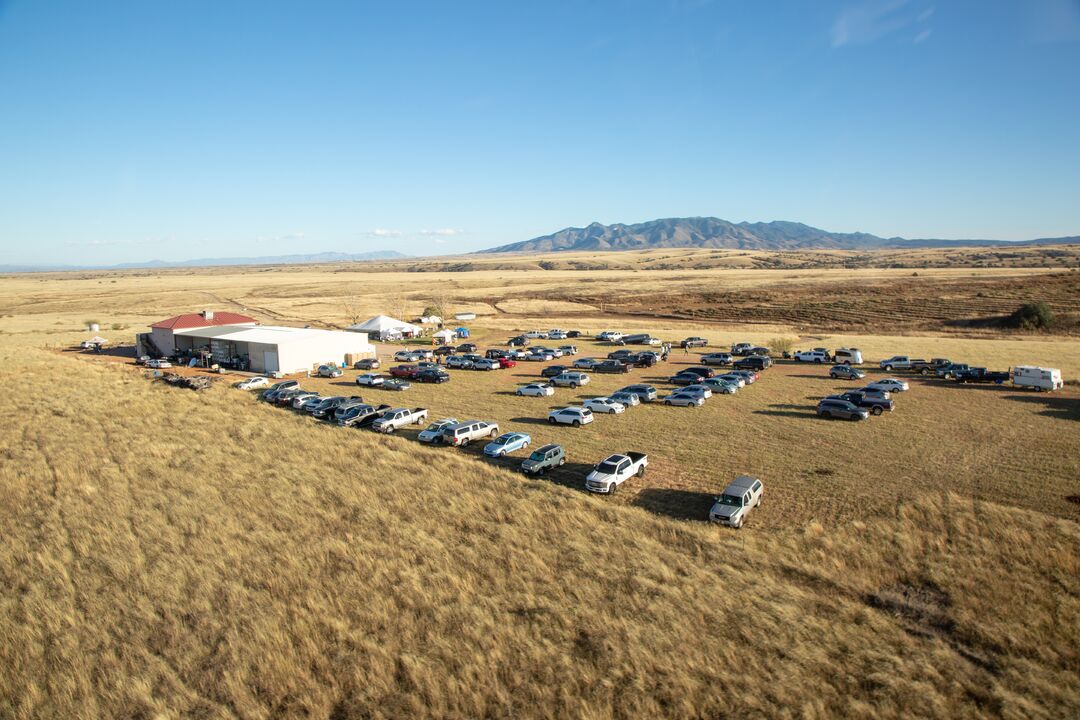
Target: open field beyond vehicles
174	553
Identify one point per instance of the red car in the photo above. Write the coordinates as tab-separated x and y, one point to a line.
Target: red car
408	372
505	362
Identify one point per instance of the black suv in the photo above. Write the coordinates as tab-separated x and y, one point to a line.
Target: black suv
754	362
642	359
433	375
552	370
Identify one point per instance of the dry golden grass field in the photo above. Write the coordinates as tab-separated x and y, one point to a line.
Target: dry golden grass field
174	554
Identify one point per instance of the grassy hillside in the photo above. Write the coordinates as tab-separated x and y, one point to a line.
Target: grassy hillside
175	554
171	554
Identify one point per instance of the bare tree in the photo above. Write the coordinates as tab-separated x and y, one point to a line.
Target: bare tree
441	301
398	303
352	307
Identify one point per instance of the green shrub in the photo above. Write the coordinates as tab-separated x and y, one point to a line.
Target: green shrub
1033	316
781	345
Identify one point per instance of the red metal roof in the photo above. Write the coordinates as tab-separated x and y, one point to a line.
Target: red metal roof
196	320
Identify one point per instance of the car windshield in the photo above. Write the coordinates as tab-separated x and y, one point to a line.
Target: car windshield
607	468
501	440
732	500
537	456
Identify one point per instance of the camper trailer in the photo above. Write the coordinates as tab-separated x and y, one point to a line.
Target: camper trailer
847	356
1039	378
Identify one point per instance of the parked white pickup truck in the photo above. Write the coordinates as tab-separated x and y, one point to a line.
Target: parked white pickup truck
614	471
397	418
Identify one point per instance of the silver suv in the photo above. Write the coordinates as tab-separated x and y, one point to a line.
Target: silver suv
736	502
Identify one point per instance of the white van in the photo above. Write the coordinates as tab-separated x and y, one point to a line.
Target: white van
1043	379
847	356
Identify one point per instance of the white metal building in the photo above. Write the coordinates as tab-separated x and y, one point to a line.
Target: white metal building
270	348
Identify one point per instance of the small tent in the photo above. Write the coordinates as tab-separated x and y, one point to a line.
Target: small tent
444	337
462	332
383	327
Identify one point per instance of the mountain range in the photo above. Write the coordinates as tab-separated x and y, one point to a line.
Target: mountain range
297	259
710	232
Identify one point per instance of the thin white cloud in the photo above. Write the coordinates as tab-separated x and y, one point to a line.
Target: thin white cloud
385	233
444	232
440	241
872	20
102	243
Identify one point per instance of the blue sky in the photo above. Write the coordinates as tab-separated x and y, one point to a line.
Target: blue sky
141	130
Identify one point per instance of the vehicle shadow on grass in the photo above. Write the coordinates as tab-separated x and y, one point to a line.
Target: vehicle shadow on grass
997	387
1064	408
530	421
789	410
675	503
571	475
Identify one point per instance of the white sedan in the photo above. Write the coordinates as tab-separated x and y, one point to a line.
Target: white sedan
253	383
888	385
370	379
162	363
586	363
604	405
536	390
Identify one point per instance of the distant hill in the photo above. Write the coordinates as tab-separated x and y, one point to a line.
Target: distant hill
298	259
710	232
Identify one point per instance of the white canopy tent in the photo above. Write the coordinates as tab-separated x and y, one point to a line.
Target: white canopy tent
385	327
445	337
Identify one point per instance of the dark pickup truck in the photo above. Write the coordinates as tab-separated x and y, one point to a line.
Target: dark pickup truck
926	367
361	415
611	366
981	375
876	404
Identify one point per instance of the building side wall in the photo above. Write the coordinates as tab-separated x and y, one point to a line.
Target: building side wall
163	339
303	355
